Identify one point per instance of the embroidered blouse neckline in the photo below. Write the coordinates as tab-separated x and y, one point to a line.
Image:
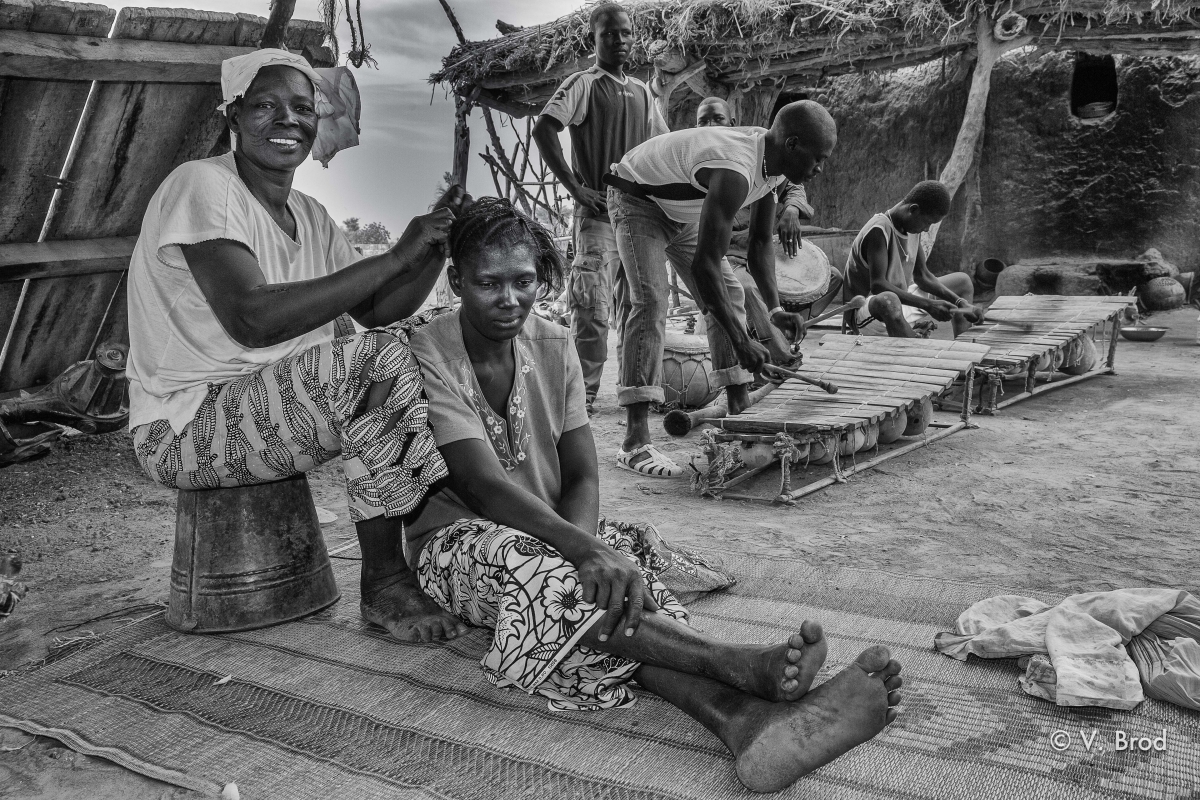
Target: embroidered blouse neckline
506	435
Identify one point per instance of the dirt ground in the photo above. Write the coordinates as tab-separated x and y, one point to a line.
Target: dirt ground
1087	488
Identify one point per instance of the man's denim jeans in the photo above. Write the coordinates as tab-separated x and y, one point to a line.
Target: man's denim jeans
647	239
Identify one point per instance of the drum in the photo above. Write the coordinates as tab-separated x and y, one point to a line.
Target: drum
686	371
801	280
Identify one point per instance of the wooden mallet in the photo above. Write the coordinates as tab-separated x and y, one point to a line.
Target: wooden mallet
787	373
855	303
680	422
1012	323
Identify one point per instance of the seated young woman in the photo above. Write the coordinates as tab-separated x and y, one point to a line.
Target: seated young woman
515	541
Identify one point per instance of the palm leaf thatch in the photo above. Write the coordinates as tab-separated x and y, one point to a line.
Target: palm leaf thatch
742	41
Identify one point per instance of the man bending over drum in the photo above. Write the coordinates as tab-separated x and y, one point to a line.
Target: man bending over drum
516	542
674	198
236	374
887	265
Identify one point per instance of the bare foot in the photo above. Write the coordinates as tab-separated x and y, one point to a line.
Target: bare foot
782	672
396	602
783	741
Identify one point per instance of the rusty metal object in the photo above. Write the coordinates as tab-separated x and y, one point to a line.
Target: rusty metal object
90	396
248	557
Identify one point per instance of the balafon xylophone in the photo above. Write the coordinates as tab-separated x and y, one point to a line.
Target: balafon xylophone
885	389
1049	335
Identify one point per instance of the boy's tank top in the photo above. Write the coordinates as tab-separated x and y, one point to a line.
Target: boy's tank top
901	257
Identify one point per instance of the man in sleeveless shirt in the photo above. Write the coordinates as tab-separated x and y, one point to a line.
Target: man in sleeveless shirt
674	198
792	208
608	113
886	264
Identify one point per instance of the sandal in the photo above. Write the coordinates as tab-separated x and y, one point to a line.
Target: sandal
656	466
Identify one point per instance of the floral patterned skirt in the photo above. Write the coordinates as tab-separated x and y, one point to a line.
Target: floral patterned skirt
493	576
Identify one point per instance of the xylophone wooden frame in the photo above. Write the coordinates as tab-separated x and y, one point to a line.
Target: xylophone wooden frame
994	373
832	436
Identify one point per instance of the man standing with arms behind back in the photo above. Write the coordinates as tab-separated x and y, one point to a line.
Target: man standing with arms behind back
608	114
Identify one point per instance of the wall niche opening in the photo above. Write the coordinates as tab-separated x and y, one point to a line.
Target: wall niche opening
1094	87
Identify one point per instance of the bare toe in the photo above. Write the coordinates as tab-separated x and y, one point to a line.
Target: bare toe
893	683
811	631
875	658
892	714
894	698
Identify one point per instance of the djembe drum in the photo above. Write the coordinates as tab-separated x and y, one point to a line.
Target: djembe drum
801	280
685	371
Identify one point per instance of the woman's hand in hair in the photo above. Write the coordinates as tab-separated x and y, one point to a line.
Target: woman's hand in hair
424	236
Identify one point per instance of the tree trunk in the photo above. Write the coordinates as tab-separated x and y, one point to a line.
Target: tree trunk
988	51
462	141
275	34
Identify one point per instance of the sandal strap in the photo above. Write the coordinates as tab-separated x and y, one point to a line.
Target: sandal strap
657	464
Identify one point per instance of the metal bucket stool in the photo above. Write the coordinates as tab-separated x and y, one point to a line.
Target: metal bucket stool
248	557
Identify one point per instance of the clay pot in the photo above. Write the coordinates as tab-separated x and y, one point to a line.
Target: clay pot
1086	360
919	417
892	428
987	271
1161	294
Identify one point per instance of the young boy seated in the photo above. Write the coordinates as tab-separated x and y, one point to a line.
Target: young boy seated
886	265
515	542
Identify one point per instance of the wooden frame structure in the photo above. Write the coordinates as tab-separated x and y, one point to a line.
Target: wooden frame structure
877	378
1057	324
92	122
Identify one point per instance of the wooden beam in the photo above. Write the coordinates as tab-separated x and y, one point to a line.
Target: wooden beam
511	107
57	259
61	57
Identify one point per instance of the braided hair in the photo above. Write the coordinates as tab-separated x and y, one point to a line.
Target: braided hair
492	222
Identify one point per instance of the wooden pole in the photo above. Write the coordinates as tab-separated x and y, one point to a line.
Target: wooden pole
462	141
462	109
988	51
275	34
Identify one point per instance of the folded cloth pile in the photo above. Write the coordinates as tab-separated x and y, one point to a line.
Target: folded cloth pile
1110	649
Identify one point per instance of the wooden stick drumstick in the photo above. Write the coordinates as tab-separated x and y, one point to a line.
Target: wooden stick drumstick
1020	324
679	422
829	387
856	302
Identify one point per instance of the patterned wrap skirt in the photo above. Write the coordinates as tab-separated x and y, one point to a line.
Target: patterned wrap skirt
299	413
493	576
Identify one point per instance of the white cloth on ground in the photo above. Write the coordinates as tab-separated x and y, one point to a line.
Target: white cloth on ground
1107	649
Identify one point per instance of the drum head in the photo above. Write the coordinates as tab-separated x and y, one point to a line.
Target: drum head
802	279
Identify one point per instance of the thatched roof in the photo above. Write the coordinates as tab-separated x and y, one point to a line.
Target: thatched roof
747	40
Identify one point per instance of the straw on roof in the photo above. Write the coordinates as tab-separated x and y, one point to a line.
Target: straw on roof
739	38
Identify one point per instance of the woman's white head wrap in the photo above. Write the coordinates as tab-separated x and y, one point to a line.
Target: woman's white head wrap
338	104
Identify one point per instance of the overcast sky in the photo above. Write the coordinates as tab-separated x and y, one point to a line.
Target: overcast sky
406	139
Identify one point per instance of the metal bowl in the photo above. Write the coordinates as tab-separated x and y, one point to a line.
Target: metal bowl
1142	333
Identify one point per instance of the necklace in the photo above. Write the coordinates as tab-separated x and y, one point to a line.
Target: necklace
764	168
